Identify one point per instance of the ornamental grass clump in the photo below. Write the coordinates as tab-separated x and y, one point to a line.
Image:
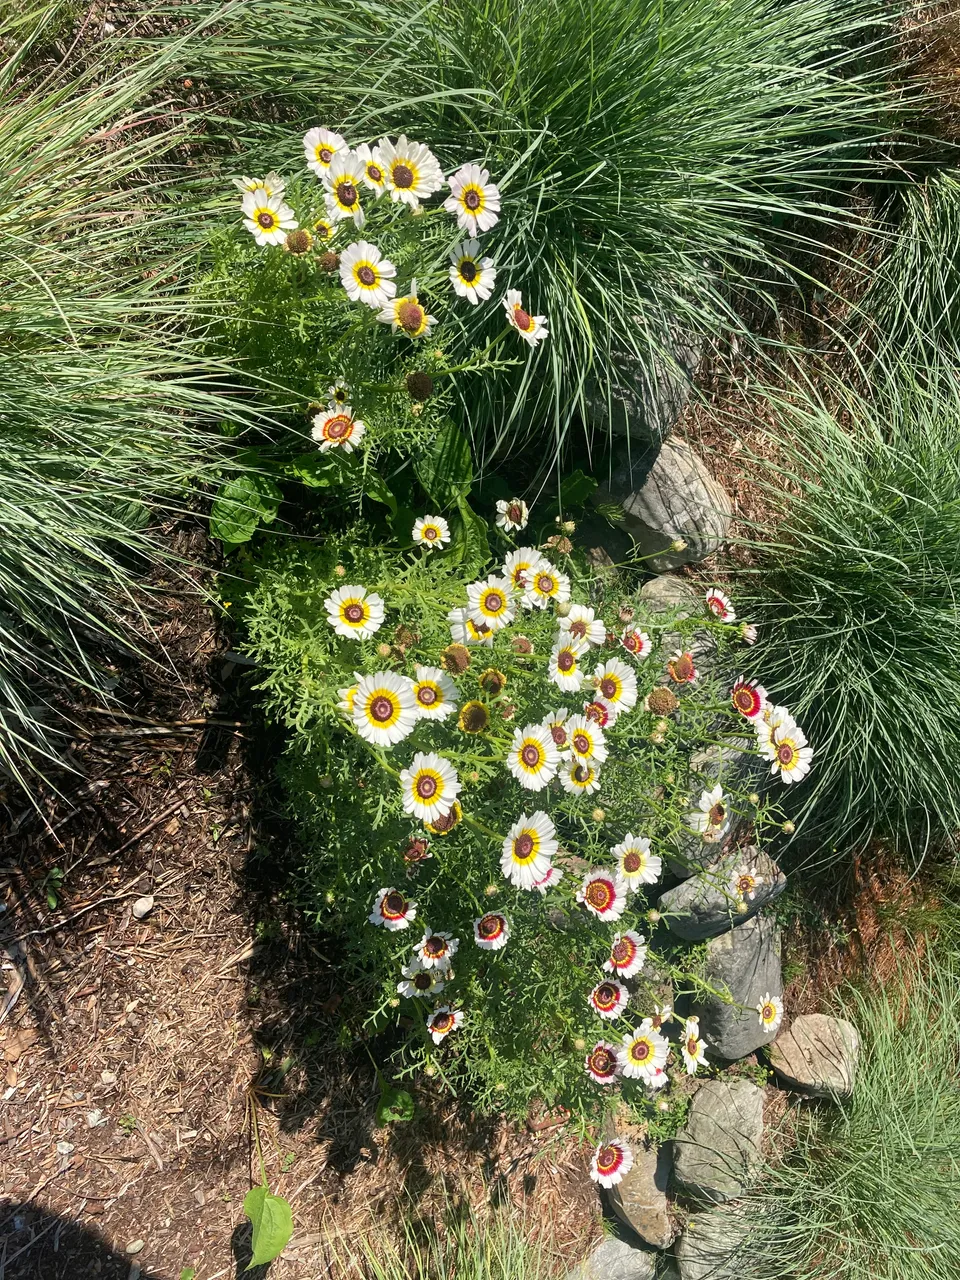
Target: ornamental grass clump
492	774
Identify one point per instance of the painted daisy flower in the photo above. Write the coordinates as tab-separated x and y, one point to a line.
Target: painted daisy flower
602	1063
512	513
342	182
431	531
491	932
720	606
324	229
392	910
636	865
547	584
611	1162
748	697
473	718
628	951
320	146
354	612
417	850
429	786
435	949
657	1079
347	697
266	217
748	633
464	630
410	169
443	826
339	393
552	878
636	643
609	998
532	329
616	685
693	1049
746	882
586	739
770	1010
661	1014
529	846
533	757
682	668
272	184
564	665
442	1021
366	275
474	200
337	428
600	713
711	816
555	722
520	565
384	710
644	1051
603	894
490	603
580	777
471	275
792	756
767	724
406	315
434	693
583	624
373	173
420	983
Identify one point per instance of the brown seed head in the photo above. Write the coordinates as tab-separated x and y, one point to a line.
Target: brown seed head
661	702
455	659
419	385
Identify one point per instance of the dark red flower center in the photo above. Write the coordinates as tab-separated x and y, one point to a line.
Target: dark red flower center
523	845
490	927
394	904
565	660
435	946
493	602
347	194
608	687
578	629
426	695
381	708
442	1022
558	734
423	980
608	1158
337	427
411	316
785	753
266	219
472	199
531	755
354	612
717	814
606	995
366	275
622	952
522	319
426	786
326	155
603	1062
581	743
402	176
599	895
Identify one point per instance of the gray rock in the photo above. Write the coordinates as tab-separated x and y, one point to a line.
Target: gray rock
640	1200
718	1151
652	985
615	1259
143	906
735	765
817	1055
745	962
714	1245
677	501
667	1268
647	396
709	903
668	592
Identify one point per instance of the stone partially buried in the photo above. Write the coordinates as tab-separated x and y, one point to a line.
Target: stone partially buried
817	1055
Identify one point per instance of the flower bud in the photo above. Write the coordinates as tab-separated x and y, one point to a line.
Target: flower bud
579	1045
383	650
429	1069
663	1105
598	815
491	890
678	544
473	775
340	571
394	1003
563	608
788	828
669	779
653	916
330	896
326	781
662	726
568	526
754	797
657	739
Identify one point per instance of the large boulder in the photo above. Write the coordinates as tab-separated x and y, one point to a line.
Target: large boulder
713	1245
640	1200
674	509
744	963
719	1150
710	902
648	394
817	1055
615	1259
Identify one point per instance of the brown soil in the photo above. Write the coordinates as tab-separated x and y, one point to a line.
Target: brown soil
136	1049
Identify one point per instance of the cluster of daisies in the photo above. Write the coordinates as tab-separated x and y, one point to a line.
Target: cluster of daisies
569	746
409	173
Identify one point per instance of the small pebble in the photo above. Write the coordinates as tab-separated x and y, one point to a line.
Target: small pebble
95	1118
108	1077
143	906
135	1246
64	1148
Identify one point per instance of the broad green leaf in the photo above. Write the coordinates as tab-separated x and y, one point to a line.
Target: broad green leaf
395	1106
241	506
402	522
447	473
471	537
374	486
575	489
188	1273
272	1220
316	469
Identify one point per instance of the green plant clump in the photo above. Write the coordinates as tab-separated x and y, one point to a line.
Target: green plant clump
490	779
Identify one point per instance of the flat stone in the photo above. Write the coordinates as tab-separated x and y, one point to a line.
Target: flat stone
708	903
640	1200
714	1245
745	962
673	501
143	906
718	1151
615	1259
817	1055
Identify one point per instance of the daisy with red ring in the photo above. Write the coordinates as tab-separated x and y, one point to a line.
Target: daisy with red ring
600	713
564	665
442	1021
693	1048
644	1051
749	698
792	756
337	428
611	1162
392	910
553	877
533	329
429	787
628	951
720	606
491	932
603	894
528	849
681	668
533	757
636	643
602	1063
609	998
435	949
